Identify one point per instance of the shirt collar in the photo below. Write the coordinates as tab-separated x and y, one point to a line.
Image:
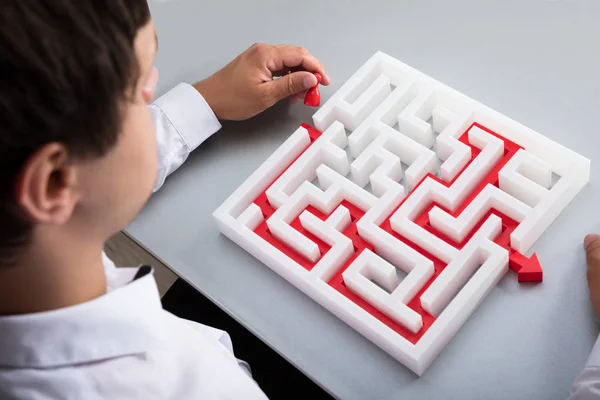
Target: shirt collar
124	321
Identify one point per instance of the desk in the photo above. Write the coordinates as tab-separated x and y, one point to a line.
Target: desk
537	62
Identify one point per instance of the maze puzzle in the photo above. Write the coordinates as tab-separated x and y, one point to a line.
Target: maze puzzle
403	207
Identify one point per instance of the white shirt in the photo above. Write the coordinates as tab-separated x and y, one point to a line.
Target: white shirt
123	345
587	384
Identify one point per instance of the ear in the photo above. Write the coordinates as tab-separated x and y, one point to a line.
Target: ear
150	86
45	187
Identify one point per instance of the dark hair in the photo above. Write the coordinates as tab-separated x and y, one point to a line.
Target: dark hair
66	66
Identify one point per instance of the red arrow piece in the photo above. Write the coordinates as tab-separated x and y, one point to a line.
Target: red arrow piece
528	269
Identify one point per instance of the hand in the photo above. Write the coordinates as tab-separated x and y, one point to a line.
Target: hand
592	250
246	86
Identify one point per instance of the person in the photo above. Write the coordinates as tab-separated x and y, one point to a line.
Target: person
82	147
587	384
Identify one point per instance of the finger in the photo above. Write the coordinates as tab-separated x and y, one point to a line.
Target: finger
301	95
286	70
290	85
287	56
592	250
282	72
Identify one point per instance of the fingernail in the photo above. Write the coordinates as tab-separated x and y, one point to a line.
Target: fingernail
309	81
589	239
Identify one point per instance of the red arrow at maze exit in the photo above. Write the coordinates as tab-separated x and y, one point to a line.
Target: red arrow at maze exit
528	269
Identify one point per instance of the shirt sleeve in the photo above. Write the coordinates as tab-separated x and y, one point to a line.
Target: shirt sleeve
222	339
182	120
587	384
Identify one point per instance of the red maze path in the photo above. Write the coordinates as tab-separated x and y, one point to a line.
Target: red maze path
528	269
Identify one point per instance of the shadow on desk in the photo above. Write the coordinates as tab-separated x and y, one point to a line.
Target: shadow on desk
277	377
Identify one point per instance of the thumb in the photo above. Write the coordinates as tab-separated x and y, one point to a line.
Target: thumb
292	84
592	250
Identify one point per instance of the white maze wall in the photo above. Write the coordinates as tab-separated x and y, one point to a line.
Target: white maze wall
408	208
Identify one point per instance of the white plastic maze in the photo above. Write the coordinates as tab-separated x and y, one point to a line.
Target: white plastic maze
403	207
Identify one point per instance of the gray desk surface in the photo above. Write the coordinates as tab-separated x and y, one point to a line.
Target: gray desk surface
537	62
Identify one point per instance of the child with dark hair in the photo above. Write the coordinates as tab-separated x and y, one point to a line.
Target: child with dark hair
82	147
